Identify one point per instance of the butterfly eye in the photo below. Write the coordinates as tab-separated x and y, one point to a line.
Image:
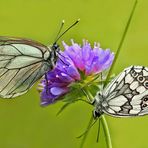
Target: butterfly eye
140	78
96	114
134	73
146	84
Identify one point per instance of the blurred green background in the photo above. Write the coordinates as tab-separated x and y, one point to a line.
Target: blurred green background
24	124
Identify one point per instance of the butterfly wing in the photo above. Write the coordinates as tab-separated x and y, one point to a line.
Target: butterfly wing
127	94
22	63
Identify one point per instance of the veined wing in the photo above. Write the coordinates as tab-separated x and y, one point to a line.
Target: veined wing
22	63
17	40
127	94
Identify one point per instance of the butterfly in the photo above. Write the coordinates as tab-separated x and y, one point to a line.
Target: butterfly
126	95
23	62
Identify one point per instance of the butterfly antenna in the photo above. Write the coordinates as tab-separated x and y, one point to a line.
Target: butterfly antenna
62	24
59	36
98	134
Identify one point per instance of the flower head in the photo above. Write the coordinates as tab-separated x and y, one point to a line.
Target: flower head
74	61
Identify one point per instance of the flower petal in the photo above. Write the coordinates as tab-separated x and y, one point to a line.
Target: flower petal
56	91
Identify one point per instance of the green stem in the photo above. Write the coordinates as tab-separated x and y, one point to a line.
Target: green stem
121	42
103	120
106	131
87	131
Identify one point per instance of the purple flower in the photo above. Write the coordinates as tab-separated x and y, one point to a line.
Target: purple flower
72	63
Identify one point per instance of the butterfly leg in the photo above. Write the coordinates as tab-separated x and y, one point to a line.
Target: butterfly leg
98	134
46	79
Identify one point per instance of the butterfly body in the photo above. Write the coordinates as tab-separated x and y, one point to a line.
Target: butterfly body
22	63
126	95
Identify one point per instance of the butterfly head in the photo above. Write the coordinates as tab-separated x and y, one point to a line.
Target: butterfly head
53	54
55	49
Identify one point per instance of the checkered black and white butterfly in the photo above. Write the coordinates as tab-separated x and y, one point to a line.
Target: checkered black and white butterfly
126	95
23	62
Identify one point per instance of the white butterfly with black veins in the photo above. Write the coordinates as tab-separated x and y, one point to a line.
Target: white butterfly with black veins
126	95
22	63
